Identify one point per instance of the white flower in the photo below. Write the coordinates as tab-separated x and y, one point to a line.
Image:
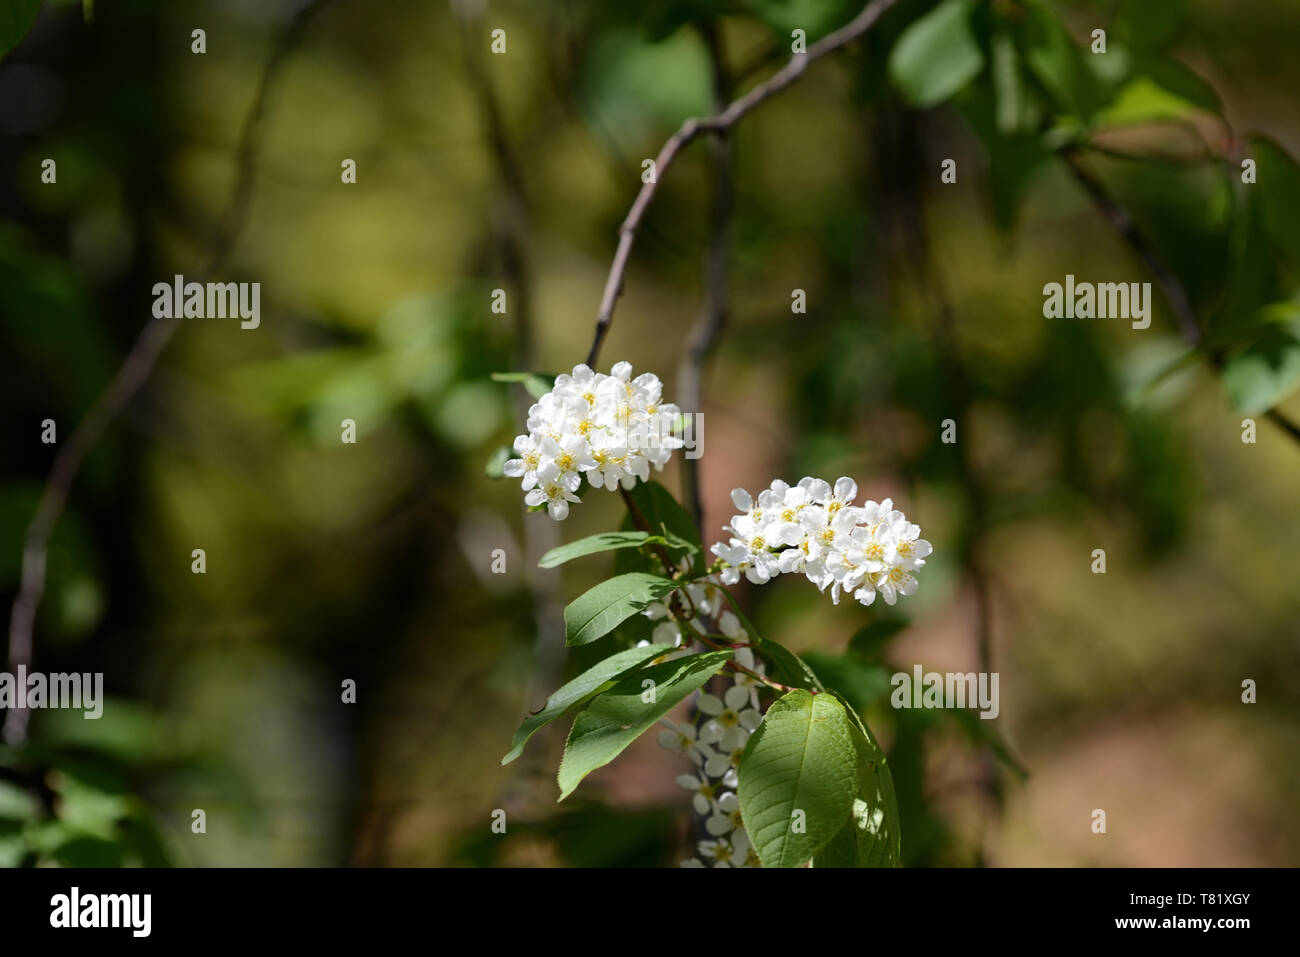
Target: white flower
782	509
667	632
815	529
727	816
610	465
729	625
725	766
570	455
911	550
612	428
731	718
746	658
748	552
722	852
684	738
894	582
705	798
526	466
551	492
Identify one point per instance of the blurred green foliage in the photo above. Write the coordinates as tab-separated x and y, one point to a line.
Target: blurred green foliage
370	561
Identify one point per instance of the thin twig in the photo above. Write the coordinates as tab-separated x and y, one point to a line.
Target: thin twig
1173	287
125	384
720	123
643	523
1282	422
708	641
1124	224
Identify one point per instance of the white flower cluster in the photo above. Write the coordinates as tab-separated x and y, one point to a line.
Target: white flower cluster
815	529
715	750
611	427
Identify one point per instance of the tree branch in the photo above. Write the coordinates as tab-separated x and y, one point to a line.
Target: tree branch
1169	282
718	124
1123	223
126	383
709	324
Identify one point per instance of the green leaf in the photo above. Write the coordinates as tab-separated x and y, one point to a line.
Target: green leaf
1142	100
666	516
1016	110
13	848
663	512
815	17
16	18
608	541
1013	160
16	804
588	684
1252	274
1265	373
871	836
537	383
495	467
1178	79
619	716
1057	62
630	86
1278	180
597	611
801	759
936	55
1150	26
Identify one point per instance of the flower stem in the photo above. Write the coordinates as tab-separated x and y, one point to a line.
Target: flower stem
708	640
640	521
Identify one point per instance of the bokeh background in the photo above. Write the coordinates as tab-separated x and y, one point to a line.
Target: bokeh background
478	171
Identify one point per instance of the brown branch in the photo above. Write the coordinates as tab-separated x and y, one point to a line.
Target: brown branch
1282	422
718	124
1172	286
638	519
1124	224
126	383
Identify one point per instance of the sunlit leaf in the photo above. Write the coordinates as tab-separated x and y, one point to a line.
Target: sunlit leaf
619	716
599	610
798	778
936	55
587	684
608	541
1265	373
16	18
